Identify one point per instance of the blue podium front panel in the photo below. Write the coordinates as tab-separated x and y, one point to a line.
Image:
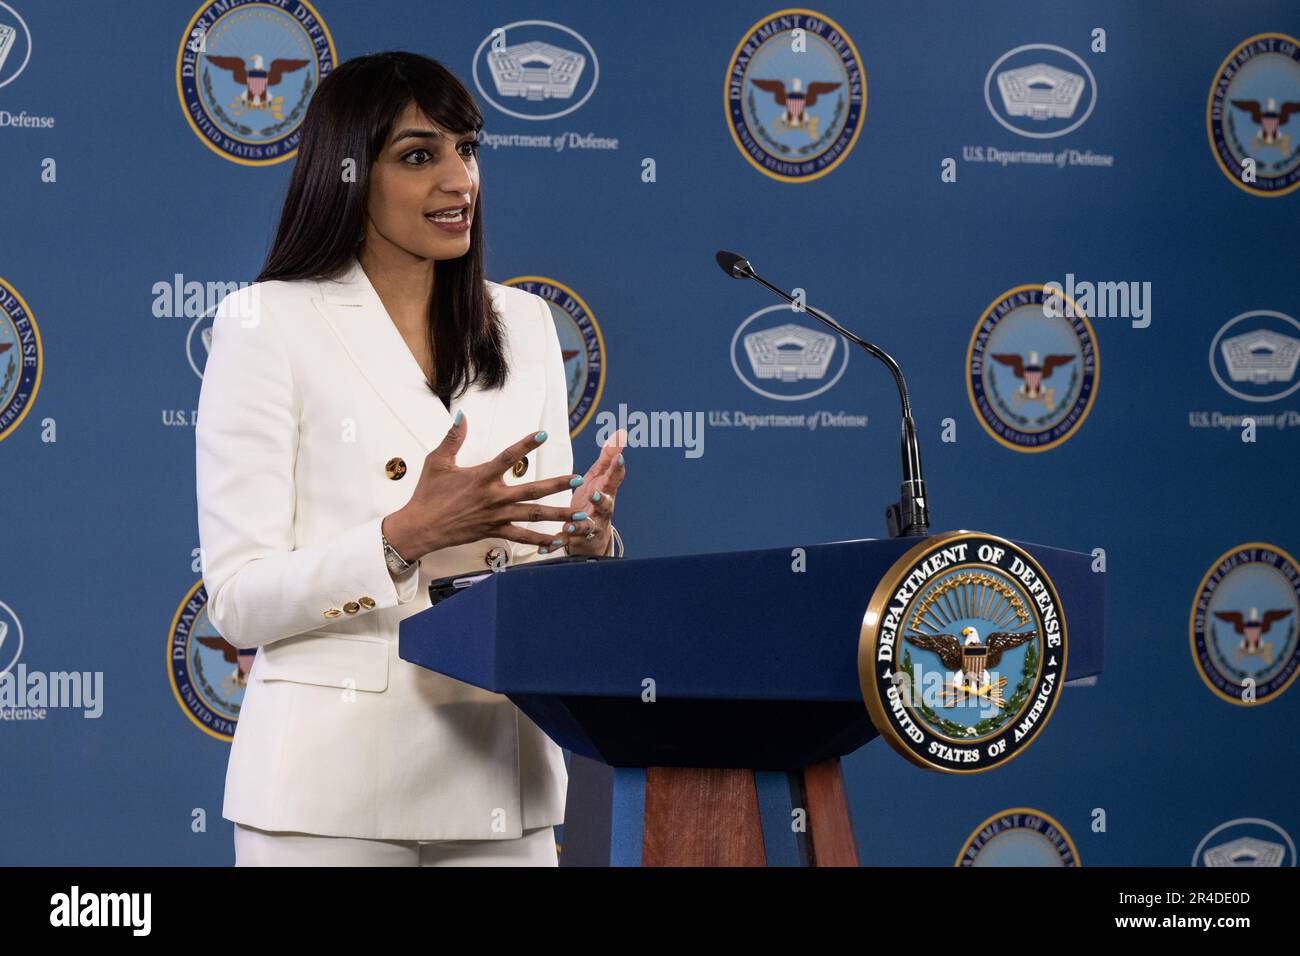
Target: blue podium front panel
744	659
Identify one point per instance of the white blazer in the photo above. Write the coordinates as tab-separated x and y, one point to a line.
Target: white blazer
308	394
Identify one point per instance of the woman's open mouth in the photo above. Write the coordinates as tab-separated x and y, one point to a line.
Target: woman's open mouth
455	219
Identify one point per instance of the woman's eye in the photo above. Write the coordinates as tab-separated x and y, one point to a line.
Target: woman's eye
417	157
472	144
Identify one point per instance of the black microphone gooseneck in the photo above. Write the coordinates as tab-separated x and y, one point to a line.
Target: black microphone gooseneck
910	515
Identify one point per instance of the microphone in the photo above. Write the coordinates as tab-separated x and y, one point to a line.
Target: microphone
910	515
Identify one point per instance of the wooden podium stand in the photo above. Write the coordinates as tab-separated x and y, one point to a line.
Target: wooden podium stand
709	817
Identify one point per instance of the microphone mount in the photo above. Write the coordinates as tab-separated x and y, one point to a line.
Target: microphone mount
910	515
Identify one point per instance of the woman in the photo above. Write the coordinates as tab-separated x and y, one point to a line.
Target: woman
375	414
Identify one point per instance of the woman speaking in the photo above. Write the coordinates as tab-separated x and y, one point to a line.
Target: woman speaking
375	414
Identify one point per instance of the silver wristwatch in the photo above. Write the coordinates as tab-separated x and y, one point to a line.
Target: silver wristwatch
397	564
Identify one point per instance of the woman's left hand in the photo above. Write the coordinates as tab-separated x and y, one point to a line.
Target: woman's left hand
595	498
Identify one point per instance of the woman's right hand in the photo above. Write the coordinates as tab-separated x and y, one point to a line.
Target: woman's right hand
453	505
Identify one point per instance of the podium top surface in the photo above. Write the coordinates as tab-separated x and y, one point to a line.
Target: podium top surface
770	624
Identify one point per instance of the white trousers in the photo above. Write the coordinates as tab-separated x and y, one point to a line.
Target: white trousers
255	847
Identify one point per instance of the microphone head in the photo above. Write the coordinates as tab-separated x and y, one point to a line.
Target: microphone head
733	264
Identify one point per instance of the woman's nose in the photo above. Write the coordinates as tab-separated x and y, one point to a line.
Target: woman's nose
455	178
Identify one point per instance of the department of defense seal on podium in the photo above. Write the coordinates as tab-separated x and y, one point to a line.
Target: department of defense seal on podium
962	652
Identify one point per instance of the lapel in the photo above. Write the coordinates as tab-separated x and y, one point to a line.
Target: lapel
356	315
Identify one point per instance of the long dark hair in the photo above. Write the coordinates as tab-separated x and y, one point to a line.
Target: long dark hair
350	117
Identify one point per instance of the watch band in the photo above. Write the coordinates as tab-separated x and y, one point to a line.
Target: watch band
396	563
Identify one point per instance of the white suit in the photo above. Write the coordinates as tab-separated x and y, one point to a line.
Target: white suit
309	394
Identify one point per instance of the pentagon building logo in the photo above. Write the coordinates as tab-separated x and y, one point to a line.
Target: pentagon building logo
7	36
543	70
1040	92
780	355
536	71
1246	851
789	353
1261	357
15	44
1246	842
1255	356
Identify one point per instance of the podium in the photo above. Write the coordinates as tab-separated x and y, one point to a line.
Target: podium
705	699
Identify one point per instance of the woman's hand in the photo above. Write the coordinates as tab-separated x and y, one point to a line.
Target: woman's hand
595	498
453	505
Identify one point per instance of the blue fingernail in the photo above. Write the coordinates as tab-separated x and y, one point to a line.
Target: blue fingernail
620	459
574	482
580	516
557	542
569	528
540	436
541	550
595	496
459	416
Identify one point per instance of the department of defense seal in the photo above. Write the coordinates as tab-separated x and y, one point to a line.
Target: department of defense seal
245	73
1252	116
207	675
1032	368
1243	624
795	95
962	652
1019	837
581	344
21	359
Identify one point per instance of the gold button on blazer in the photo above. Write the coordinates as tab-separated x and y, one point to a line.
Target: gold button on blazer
308	392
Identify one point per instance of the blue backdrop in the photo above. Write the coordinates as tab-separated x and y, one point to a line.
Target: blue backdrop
114	201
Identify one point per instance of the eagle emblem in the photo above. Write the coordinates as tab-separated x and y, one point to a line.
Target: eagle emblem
1251	626
1270	118
1032	374
256	80
796	101
237	679
969	659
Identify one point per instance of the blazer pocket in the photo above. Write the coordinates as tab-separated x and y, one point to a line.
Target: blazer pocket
357	661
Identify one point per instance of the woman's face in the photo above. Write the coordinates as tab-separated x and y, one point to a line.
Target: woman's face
423	175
